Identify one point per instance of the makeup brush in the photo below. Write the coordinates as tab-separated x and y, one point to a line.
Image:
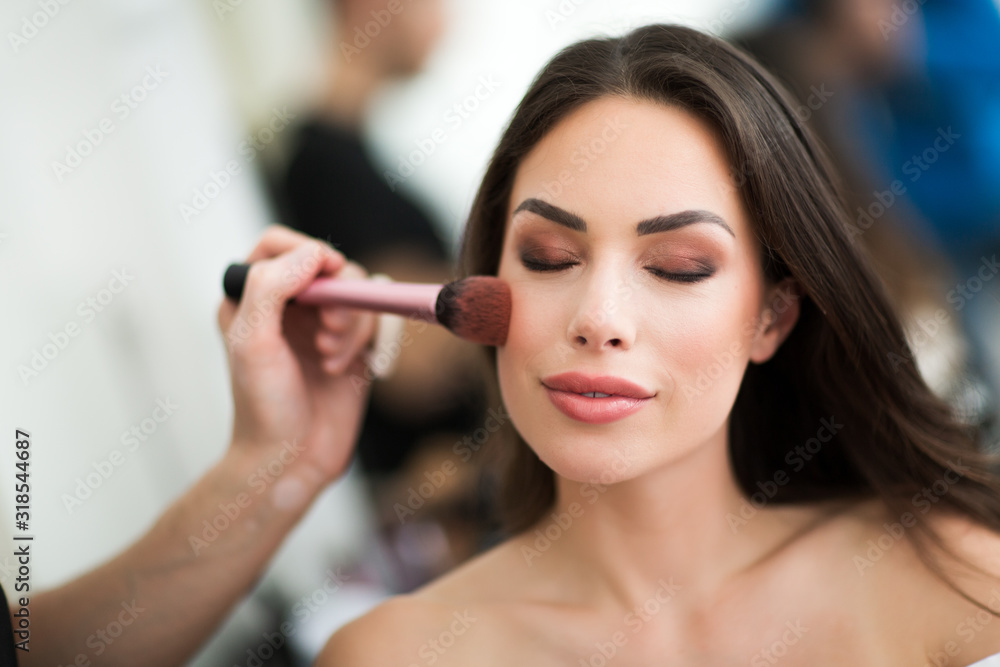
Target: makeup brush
476	308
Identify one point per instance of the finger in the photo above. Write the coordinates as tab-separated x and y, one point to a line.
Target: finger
352	271
315	258
225	314
339	318
333	365
336	319
276	240
355	343
356	366
328	344
270	283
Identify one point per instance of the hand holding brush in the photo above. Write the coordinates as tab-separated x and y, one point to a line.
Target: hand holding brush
476	308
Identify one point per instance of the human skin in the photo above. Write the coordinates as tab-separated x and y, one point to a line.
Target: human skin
297	412
361	59
640	514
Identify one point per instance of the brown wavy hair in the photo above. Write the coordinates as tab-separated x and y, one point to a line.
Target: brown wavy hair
842	358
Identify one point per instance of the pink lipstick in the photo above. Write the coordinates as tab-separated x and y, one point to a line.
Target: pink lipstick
595	399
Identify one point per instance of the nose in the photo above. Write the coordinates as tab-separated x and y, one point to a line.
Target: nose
601	319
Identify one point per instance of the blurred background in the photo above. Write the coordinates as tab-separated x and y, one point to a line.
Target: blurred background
145	144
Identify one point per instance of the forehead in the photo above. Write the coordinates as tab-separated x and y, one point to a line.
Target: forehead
624	160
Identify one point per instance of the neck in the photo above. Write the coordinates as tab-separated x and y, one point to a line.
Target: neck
680	524
350	86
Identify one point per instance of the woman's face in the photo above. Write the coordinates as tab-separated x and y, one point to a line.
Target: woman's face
629	254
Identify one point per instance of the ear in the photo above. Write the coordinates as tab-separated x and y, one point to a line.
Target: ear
777	318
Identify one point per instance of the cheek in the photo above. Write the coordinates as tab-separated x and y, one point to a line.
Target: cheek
536	345
531	334
513	378
531	315
534	321
710	353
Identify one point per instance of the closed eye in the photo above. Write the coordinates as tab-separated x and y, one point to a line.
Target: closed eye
545	267
534	265
682	277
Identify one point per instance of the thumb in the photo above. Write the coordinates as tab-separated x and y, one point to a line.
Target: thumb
270	283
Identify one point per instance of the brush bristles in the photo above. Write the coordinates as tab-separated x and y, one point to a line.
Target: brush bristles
476	308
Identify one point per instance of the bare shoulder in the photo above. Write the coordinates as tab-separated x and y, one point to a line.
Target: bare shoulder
913	601
969	630
875	534
500	577
872	559
362	641
442	623
978	547
971	540
406	630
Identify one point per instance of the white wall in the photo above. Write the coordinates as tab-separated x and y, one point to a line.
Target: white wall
67	233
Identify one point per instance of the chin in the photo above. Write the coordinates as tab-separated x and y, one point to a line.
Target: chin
608	457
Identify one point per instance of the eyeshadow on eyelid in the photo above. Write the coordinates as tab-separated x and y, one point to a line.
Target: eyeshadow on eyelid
688	248
543	244
546	256
697	248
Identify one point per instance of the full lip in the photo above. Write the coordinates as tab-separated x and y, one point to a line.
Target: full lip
566	392
580	383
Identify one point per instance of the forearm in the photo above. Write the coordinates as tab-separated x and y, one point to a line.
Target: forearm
173	587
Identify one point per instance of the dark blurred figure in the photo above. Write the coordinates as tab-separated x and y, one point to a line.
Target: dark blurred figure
330	188
906	96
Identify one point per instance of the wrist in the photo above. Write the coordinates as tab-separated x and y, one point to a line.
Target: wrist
274	476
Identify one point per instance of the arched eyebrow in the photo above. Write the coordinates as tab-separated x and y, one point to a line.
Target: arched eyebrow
553	213
666	223
660	223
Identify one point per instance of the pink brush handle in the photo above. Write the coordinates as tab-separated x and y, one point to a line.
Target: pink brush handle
409	299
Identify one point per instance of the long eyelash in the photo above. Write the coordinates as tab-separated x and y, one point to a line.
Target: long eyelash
687	278
682	277
532	265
